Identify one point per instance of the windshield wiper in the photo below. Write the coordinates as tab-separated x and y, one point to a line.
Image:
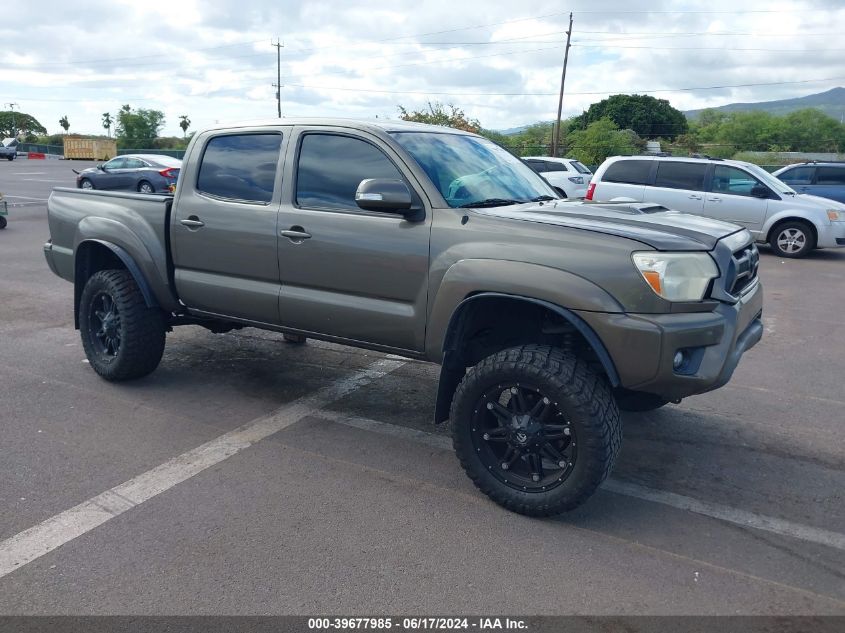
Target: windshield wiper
542	199
490	202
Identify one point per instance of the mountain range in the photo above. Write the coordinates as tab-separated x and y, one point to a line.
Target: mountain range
831	102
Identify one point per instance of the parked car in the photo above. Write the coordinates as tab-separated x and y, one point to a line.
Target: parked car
546	316
820	179
569	177
793	224
144	173
9	148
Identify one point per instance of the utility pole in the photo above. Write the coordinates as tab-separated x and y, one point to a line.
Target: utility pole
12	107
278	83
556	133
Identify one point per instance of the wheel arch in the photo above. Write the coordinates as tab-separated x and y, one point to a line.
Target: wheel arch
476	330
94	255
781	218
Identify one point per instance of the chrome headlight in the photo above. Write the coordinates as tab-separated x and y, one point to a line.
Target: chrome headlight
677	276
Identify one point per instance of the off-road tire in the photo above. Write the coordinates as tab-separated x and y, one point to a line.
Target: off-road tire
581	394
793	225
141	328
639	402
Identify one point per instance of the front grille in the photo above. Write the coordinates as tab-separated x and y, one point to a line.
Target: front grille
744	265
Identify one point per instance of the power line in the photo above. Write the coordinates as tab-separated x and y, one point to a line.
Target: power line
713	48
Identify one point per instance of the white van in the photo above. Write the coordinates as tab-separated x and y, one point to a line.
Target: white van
731	190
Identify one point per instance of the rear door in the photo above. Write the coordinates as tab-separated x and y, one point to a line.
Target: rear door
730	199
830	182
358	275
223	230
679	185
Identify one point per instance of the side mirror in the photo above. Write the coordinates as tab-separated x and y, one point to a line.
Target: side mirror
760	191
101	167
384	194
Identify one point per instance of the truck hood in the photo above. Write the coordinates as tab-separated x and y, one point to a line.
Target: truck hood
653	225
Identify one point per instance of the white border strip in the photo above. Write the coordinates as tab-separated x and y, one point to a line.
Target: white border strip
27	546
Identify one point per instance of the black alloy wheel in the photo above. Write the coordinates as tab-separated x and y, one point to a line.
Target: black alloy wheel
522	437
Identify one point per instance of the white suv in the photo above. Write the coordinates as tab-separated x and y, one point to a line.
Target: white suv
735	191
567	175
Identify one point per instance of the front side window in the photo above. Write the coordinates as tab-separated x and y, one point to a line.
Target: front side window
798	176
631	172
681	175
331	167
733	181
473	171
240	167
116	163
831	176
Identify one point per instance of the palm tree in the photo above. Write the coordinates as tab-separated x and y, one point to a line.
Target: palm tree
64	123
184	123
107	121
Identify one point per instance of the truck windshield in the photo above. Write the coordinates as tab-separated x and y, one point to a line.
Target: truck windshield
471	171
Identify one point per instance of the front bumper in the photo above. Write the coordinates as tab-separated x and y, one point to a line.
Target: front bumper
832	235
643	346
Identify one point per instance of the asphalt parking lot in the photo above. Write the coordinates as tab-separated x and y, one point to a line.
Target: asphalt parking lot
344	498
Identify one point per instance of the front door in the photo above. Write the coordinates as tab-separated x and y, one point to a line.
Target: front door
730	198
224	226
345	272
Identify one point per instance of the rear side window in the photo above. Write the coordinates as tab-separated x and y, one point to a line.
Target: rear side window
678	175
633	172
331	167
554	166
537	165
830	176
240	167
798	176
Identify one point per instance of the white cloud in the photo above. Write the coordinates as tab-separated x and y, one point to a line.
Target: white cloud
213	59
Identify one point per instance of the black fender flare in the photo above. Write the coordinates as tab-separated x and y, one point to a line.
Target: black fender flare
452	370
133	268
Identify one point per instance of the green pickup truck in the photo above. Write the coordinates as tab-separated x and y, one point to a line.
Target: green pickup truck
546	316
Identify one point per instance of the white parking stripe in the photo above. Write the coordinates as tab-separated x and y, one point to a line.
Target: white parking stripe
48	535
681	502
8	195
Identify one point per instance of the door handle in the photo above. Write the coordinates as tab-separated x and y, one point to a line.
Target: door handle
694	197
295	234
192	222
714	199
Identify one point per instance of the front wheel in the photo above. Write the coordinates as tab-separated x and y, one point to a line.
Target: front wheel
86	184
535	429
792	239
145	187
121	336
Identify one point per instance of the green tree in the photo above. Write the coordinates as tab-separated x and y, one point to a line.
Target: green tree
13	123
184	123
440	114
811	130
647	116
107	123
141	125
601	139
64	123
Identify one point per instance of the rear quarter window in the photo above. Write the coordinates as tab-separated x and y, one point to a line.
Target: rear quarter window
830	176
632	172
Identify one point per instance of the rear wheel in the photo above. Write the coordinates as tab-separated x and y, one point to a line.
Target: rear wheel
2	222
145	187
561	192
792	239
535	429
122	337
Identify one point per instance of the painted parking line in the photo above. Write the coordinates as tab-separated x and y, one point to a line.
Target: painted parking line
29	173
54	532
9	195
681	502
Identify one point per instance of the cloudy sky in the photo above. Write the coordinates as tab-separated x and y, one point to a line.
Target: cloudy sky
499	60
